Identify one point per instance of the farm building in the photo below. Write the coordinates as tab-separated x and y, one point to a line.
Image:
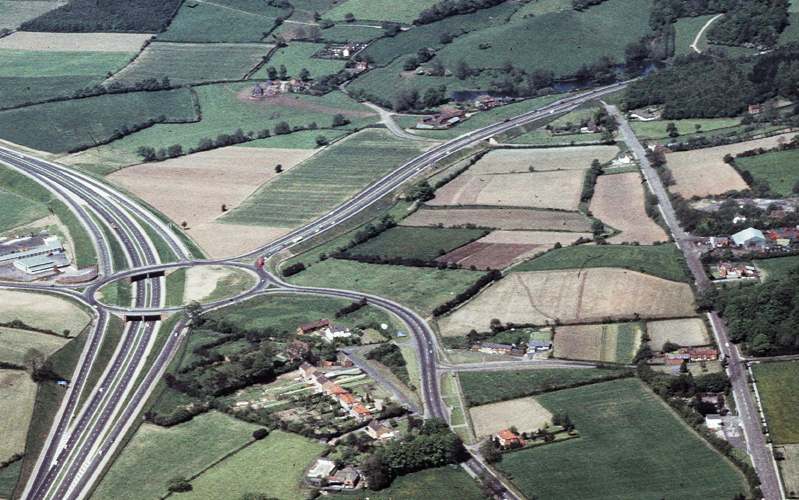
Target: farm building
445	119
749	237
35	254
539	345
312	327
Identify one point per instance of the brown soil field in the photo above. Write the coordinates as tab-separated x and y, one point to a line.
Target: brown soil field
702	172
40	310
74	42
526	414
571	296
17	395
684	332
618	201
500	218
503	161
558	189
193	188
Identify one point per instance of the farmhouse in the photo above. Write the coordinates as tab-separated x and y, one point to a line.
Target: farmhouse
312	327
508	439
332	333
445	119
34	254
749	237
380	431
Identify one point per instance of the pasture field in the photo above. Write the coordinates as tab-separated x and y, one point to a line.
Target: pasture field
777	169
325	180
157	454
74	42
631	445
558	41
244	21
43	311
500	249
17	395
684	332
481	388
778	385
664	261
16	12
686	29
417	287
440	483
67	125
17	342
702	172
618	201
212	283
556	189
193	188
525	414
193	62
500	218
776	266
380	10
296	56
506	161
587	295
275	464
16	211
426	243
608	343
656	129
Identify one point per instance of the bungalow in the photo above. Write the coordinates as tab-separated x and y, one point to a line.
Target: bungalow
312	327
676	358
347	478
509	439
749	237
380	431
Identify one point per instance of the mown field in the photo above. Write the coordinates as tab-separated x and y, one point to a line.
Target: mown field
778	384
631	446
244	21
777	169
433	484
380	10
67	127
297	56
664	261
684	332
325	180
424	243
481	388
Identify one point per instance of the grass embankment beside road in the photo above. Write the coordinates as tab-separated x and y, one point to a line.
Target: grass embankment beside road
778	384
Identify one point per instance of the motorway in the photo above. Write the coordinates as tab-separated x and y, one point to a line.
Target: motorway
84	437
757	448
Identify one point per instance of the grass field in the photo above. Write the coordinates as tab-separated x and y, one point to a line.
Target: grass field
778	384
244	21
192	63
686	29
43	311
776	266
296	56
380	10
481	388
684	332
607	343
157	454
631	446
275	464
16	211
663	261
420	288
17	395
442	483
324	181
424	243
778	169
657	129
68	128
16	12
17	342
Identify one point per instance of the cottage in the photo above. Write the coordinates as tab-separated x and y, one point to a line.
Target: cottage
755	109
380	431
312	327
509	439
749	237
347	477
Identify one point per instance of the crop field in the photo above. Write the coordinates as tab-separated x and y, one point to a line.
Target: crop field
439	483
324	181
484	387
778	384
17	395
499	249
778	169
297	56
557	189
193	63
609	343
656	129
618	201
16	211
571	296
506	161
74	42
419	288
426	243
17	342
684	332
68	128
43	311
380	10
275	464
631	446
500	218
16	12
686	29
702	172
157	454
244	21
776	266
558	41
664	261
525	414
193	188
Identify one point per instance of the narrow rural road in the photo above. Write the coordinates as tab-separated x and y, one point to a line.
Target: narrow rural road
698	37
387	119
759	451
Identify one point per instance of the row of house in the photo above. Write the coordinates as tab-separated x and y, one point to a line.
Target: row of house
345	398
325	329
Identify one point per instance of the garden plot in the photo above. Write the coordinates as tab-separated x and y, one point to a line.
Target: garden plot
504	161
74	42
610	343
16	343
595	294
43	311
618	201
525	414
500	218
702	172
552	189
194	188
17	395
684	332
